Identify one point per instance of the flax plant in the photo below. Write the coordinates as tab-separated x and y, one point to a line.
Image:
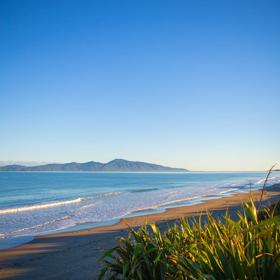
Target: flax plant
246	248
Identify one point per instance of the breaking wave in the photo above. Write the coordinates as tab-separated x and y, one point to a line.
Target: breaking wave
39	206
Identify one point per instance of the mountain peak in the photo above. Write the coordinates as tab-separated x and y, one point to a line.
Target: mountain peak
115	165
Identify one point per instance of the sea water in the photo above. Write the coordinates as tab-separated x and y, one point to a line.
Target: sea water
36	203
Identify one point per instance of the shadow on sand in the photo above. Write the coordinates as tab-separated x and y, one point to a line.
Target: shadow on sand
74	256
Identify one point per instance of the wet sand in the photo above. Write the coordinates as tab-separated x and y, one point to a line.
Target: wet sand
74	255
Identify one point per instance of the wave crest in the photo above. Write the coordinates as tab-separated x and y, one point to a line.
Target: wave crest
39	206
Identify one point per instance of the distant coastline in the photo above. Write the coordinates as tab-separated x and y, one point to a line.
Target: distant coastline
116	165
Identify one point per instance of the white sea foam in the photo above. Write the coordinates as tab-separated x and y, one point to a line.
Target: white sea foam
39	206
56	203
179	200
261	181
120	201
41	225
227	191
271	180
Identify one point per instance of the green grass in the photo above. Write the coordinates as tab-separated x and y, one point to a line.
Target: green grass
248	248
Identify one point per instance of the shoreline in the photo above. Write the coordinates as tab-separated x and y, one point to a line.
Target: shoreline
175	213
66	253
192	201
12	242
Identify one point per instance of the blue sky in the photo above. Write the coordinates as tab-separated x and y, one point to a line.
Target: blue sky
193	84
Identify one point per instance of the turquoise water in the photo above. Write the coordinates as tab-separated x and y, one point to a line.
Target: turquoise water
34	203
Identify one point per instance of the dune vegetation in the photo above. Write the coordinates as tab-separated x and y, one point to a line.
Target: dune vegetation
248	248
201	248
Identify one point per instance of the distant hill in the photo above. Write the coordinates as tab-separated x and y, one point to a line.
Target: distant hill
116	165
24	163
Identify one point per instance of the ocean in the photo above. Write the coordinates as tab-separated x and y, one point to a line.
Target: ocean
36	203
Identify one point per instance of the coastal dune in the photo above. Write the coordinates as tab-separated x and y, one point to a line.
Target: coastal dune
74	255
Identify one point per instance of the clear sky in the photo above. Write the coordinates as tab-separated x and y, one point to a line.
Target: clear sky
193	84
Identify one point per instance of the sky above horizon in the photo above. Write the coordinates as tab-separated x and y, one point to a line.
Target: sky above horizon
192	84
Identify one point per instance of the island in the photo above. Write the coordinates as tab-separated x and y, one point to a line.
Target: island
116	165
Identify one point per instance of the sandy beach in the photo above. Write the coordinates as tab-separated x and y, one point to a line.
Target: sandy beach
74	255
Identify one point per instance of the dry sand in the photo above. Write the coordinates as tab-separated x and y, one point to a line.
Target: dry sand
74	255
